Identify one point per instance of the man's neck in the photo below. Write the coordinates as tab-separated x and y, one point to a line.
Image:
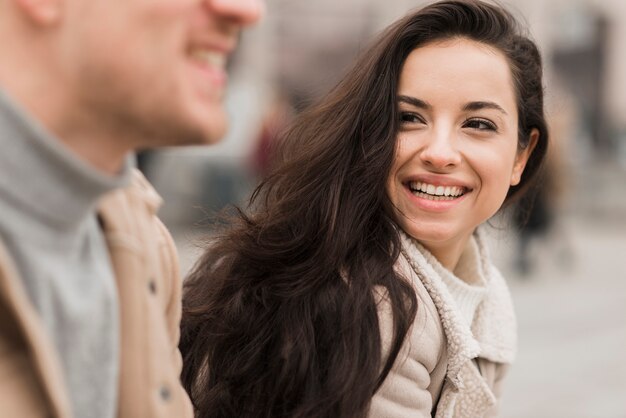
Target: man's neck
104	151
81	134
45	96
42	176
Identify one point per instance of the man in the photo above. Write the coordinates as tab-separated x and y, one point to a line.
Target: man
89	282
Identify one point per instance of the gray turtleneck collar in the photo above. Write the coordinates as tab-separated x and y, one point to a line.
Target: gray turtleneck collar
48	223
43	177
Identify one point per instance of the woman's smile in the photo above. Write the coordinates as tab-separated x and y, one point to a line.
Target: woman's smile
436	195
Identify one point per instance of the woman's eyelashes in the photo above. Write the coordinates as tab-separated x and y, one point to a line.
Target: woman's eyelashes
410	117
480	124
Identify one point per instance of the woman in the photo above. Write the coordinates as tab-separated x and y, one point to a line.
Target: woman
358	284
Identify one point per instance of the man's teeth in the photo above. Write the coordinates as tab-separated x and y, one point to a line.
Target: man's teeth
211	58
432	190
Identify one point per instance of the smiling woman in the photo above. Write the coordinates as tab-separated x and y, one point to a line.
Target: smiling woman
458	132
358	283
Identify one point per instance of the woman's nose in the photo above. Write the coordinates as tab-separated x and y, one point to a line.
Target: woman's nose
440	151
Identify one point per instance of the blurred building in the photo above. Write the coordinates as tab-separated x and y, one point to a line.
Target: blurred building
302	48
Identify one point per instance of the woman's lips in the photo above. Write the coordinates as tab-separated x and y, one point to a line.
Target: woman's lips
435	197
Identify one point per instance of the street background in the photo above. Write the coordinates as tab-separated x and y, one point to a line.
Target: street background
570	288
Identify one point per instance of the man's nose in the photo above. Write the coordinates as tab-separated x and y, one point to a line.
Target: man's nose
243	12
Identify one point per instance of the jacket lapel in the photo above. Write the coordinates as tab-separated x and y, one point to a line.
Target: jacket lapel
462	347
465	392
42	352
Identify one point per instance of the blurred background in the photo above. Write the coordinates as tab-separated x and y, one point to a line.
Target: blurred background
566	267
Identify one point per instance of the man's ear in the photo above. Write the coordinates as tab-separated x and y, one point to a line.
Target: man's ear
41	12
522	158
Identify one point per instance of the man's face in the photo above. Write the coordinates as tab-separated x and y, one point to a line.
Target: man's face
153	69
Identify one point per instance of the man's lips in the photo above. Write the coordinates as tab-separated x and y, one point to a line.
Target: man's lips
211	63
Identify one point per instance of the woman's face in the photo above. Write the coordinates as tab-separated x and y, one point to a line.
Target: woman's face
456	152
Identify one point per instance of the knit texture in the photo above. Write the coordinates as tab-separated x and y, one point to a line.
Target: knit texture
467	284
461	343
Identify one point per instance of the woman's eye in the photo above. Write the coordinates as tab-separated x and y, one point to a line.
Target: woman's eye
406	117
480	124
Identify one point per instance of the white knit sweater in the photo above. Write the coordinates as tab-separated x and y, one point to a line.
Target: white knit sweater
467	284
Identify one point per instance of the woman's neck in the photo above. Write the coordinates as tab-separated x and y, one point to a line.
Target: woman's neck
448	253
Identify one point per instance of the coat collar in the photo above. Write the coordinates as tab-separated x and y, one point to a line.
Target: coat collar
492	334
139	193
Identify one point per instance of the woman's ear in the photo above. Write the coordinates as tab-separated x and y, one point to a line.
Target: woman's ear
522	157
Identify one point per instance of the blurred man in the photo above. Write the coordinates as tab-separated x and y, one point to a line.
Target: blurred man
89	284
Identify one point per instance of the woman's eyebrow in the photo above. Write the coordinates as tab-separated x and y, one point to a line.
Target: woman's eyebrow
414	101
471	106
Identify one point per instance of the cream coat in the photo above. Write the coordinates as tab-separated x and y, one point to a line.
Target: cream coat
149	288
447	368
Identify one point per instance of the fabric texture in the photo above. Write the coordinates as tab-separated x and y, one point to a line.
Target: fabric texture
148	284
447	367
48	198
467	284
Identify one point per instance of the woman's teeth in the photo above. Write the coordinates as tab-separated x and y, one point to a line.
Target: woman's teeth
432	192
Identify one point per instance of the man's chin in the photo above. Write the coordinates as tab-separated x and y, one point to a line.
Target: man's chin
212	126
205	132
213	135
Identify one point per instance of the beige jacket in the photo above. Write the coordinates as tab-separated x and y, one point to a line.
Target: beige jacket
149	288
445	368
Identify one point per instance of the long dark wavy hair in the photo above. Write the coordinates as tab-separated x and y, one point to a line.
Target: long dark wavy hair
280	313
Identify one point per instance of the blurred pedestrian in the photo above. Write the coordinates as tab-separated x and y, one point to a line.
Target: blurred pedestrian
358	282
276	120
89	281
533	217
537	215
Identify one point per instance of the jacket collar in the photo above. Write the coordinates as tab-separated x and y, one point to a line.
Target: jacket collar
492	333
140	194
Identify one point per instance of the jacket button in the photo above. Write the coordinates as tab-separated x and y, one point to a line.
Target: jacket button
165	393
152	286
